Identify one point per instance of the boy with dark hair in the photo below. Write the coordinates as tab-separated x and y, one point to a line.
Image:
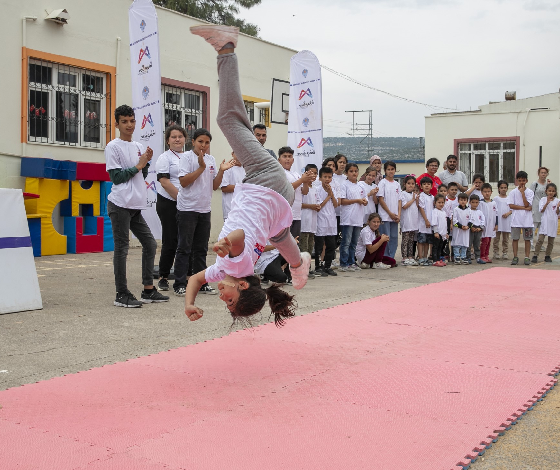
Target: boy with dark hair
450	204
490	211
520	201
477	227
127	164
461	226
425	207
309	209
326	222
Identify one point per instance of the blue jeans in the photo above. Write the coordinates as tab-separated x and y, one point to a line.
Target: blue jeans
350	236
460	252
391	229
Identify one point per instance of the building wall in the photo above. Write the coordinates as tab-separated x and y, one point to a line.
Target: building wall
534	127
91	35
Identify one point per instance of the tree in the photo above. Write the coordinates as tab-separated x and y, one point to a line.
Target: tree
215	11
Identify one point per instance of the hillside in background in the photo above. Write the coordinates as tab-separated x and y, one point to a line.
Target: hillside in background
388	148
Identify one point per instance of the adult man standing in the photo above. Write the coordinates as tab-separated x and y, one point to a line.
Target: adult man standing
432	166
260	133
451	174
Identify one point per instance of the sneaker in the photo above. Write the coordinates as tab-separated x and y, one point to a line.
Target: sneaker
356	267
344	268
480	261
321	272
412	262
207	290
527	262
496	256
438	264
457	261
382	266
330	272
547	259
126	299
469	261
179	291
466	261
364	266
505	256
515	260
334	264
217	35
424	262
163	284
301	272
311	274
534	259
153	297
487	260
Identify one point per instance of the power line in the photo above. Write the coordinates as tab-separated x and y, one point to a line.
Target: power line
350	79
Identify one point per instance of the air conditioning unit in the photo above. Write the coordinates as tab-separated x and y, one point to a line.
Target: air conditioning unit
511	95
59	16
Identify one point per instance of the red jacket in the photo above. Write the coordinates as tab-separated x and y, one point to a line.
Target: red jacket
436	182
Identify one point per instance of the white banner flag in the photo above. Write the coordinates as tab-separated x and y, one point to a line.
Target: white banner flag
305	121
146	94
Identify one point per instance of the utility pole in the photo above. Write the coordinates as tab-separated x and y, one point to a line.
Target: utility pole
363	130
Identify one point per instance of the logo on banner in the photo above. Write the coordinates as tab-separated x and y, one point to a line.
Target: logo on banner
304	73
143	25
144	52
145	92
305	122
151	186
304	142
144	69
147	120
302	93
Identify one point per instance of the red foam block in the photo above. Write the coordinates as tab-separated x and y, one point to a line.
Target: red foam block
92	172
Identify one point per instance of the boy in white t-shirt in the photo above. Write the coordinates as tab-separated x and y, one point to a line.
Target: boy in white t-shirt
520	201
326	232
232	176
504	221
388	197
127	164
451	203
425	208
309	209
477	228
439	227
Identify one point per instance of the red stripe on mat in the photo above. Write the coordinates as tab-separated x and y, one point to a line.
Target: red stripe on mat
409	380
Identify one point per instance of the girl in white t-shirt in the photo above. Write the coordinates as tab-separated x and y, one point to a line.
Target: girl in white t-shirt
388	196
371	191
504	221
260	210
549	207
408	214
370	250
353	200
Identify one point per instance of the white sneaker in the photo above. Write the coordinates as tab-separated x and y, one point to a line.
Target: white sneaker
356	267
412	262
217	35
334	264
301	273
344	268
382	266
364	266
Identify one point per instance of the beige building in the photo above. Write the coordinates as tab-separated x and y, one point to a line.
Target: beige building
62	82
499	139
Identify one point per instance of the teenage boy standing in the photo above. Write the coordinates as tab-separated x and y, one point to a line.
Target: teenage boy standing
520	201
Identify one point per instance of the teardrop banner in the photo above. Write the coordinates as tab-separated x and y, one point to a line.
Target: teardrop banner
305	120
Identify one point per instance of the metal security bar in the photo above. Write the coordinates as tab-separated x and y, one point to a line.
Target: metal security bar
67	105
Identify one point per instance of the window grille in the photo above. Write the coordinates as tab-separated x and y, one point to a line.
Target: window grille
67	105
186	108
495	160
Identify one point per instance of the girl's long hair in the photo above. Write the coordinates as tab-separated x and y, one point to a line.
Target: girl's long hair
375	215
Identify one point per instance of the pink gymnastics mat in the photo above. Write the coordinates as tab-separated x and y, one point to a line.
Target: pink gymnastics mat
426	378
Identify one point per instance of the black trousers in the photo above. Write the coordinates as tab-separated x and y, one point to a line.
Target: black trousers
273	272
167	212
194	233
437	250
329	241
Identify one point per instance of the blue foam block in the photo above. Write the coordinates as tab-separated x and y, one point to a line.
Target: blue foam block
105	190
108	242
70	232
32	167
35	233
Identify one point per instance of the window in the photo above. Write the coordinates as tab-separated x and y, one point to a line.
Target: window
66	105
495	160
186	108
256	115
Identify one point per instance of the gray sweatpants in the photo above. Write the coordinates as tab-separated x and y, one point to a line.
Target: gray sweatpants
260	167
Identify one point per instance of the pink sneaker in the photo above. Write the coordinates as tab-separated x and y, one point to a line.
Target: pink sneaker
300	274
217	35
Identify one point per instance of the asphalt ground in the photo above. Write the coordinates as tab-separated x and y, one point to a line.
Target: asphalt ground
79	329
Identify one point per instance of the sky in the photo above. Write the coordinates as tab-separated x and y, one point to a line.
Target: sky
454	54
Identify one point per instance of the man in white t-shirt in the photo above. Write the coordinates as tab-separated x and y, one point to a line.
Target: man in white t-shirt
520	201
231	177
127	164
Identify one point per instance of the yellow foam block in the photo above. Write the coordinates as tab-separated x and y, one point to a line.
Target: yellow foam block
85	196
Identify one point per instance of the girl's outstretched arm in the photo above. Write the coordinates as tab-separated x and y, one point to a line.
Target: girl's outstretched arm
232	245
193	286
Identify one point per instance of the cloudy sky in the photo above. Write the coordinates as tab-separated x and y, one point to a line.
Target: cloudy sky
450	53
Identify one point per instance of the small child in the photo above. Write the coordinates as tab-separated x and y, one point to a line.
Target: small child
439	226
478	180
461	226
442	189
408	215
520	201
425	207
309	209
371	190
450	204
477	227
370	250
550	208
232	176
326	222
490	211
388	197
353	199
504	221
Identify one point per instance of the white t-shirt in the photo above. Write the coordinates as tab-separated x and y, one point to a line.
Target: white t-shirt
233	175
261	213
292	177
450	204
426	202
309	216
502	206
390	192
490	212
367	237
339	180
478	193
521	218
461	237
439	223
409	216
266	258
326	217
370	208
477	218
549	218
197	196
168	163
132	193
352	214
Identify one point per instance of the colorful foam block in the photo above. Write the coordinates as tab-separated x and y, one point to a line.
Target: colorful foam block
35	233
108	242
105	190
84	234
85	194
92	172
47	168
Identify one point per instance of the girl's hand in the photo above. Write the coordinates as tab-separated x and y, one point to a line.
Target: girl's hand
201	162
427	224
194	313
317	207
226	166
222	247
384	238
365	201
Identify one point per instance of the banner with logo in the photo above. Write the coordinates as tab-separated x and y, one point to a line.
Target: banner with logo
146	94
305	120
